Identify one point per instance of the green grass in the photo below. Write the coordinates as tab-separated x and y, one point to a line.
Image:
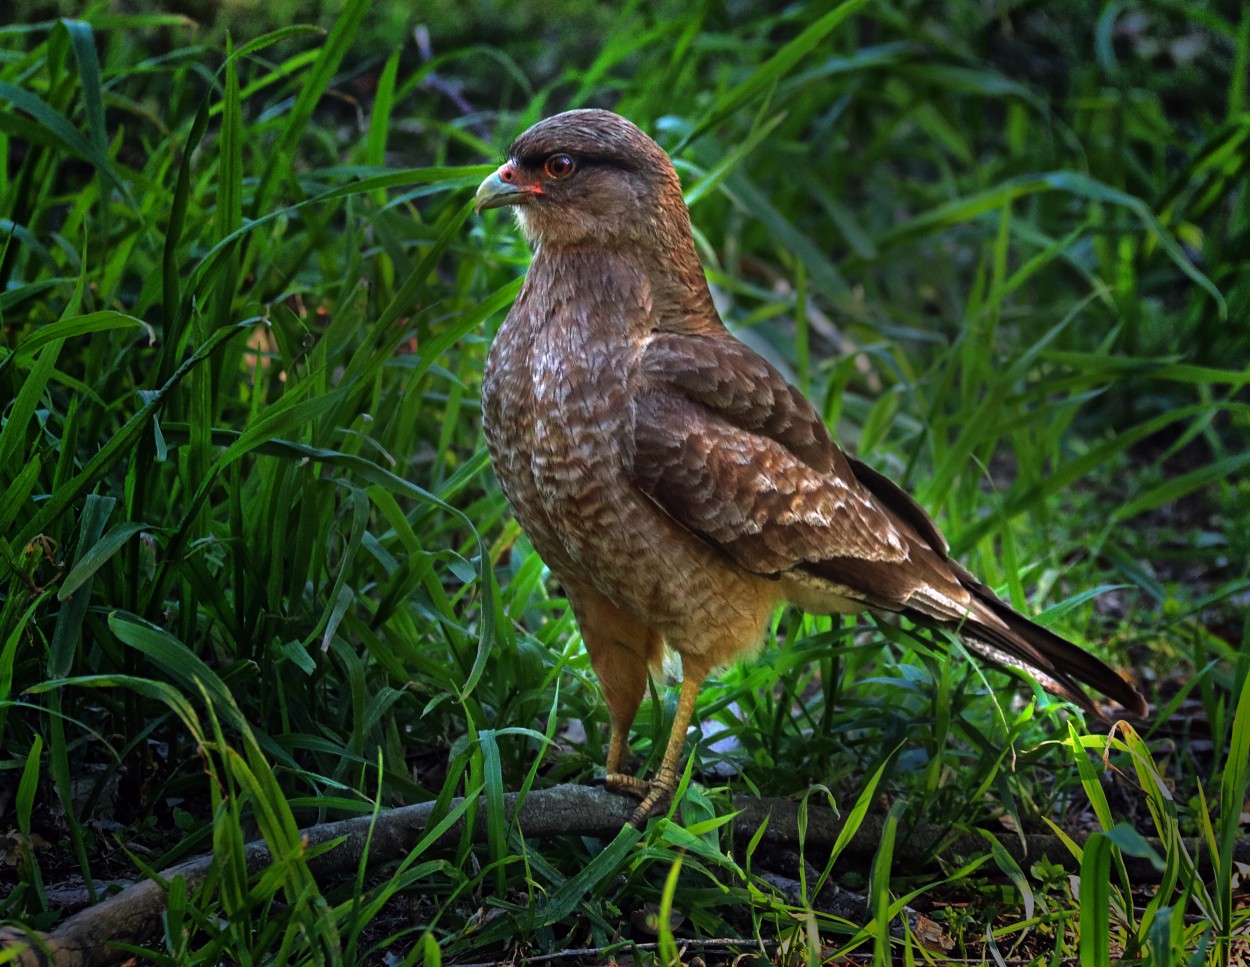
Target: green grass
255	572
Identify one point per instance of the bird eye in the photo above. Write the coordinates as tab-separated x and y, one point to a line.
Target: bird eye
559	166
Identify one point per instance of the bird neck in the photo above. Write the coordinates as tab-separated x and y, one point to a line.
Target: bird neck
677	294
685	284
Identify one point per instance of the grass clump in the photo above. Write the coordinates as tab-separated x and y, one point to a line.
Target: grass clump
256	574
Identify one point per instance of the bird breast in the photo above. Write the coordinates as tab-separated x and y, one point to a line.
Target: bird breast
556	410
558	416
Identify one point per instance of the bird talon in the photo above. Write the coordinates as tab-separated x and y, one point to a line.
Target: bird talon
654	794
627	785
653	803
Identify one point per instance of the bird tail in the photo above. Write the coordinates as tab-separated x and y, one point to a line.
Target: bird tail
1004	636
990	627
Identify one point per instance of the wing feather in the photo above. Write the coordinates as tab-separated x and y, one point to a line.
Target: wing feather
728	449
734	453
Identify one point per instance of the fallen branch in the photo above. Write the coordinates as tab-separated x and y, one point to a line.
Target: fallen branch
133	916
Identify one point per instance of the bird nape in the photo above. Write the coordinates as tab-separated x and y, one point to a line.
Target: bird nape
673	481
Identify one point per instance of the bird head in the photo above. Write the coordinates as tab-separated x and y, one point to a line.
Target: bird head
589	179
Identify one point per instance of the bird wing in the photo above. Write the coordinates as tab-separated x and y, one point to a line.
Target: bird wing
735	454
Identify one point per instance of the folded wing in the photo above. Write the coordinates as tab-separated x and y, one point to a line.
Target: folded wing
732	452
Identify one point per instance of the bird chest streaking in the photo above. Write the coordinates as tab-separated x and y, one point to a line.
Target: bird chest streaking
673	481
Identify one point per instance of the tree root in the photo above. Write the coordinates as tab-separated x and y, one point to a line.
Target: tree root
133	916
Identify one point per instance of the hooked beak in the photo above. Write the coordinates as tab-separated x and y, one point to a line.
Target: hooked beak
503	187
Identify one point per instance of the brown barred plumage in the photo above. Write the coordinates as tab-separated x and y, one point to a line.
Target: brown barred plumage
675	483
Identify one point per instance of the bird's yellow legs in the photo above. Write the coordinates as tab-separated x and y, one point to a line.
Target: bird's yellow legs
621	649
656	793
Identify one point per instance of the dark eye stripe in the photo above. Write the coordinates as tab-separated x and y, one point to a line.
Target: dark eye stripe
535	160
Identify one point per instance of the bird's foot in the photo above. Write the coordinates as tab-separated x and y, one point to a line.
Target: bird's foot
629	785
654	794
653	803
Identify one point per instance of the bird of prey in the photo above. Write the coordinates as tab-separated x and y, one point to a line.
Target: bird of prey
673	481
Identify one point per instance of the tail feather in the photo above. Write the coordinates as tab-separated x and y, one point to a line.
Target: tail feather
1004	636
934	588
